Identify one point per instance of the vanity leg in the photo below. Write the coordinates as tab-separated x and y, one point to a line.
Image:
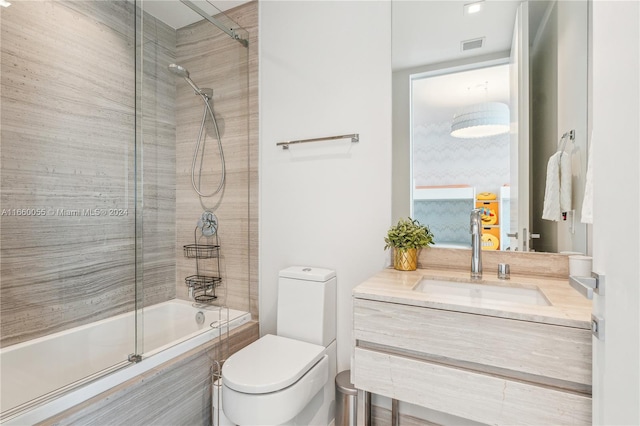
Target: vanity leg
395	413
363	414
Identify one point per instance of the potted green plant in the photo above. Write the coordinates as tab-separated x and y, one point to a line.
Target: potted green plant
406	238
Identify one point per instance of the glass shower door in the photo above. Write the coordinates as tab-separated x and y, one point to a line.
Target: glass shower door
180	53
68	194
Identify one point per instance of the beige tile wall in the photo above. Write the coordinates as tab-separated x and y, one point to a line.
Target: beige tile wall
158	157
216	61
67	143
68	129
67	135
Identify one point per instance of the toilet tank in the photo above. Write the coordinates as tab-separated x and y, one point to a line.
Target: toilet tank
307	304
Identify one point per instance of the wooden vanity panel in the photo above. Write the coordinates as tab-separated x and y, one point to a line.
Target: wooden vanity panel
548	354
480	397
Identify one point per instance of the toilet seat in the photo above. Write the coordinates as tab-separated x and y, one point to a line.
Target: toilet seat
275	408
270	364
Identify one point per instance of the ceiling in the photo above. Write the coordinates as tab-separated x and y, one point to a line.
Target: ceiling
430	31
427	32
177	15
423	32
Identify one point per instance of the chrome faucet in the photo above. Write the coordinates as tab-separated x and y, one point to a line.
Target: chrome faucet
476	244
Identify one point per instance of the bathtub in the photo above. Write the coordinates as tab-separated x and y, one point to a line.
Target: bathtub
63	366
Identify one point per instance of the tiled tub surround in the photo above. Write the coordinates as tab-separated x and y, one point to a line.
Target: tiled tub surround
509	362
68	140
218	62
177	392
158	159
170	330
78	268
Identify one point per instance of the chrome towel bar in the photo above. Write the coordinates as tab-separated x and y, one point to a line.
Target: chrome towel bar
588	285
355	137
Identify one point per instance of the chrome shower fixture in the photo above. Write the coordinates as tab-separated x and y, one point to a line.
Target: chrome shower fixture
207	96
208	223
181	71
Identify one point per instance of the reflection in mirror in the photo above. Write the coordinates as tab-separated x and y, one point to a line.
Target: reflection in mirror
426	59
453	175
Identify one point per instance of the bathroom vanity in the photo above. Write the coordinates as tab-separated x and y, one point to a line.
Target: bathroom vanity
495	351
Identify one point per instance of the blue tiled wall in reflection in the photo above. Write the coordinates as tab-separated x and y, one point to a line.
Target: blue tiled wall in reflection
447	219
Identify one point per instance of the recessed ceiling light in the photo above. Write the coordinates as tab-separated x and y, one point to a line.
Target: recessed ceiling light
4	3
471	8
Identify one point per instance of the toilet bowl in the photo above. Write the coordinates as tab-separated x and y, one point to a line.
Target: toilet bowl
288	378
276	377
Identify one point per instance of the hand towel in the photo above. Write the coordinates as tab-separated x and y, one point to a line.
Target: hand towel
587	202
565	182
557	193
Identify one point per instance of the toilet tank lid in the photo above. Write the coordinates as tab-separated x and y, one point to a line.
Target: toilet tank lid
307	273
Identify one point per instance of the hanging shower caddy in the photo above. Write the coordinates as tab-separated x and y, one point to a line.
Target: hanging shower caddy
206	248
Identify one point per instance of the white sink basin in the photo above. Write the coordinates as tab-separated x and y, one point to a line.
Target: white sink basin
475	293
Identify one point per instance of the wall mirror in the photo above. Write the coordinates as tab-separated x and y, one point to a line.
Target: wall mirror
531	56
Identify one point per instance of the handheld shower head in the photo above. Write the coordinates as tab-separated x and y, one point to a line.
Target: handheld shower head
207	97
181	71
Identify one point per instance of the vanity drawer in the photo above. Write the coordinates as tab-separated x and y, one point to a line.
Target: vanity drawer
468	394
541	353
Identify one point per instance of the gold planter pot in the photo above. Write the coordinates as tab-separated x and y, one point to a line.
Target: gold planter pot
405	259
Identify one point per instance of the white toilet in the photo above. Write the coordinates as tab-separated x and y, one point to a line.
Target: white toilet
288	378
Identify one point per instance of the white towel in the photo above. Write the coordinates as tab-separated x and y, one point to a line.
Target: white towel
557	192
565	182
587	202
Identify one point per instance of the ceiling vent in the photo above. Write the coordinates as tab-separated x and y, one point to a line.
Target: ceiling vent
476	43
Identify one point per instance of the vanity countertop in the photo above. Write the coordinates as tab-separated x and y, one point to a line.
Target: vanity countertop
567	307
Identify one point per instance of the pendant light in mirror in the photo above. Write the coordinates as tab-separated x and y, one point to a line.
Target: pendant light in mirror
481	120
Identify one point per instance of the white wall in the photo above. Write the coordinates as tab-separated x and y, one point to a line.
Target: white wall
401	180
325	69
616	229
